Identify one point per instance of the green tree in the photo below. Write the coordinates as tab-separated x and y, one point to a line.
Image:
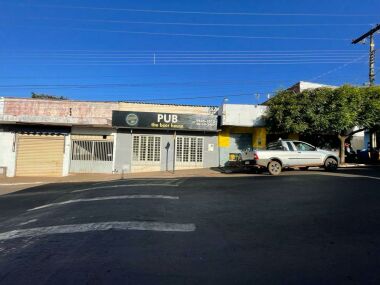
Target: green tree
341	111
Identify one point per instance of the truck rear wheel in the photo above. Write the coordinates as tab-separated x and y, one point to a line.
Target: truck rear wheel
274	167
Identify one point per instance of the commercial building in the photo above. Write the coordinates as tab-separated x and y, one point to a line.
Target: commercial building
59	137
242	128
153	137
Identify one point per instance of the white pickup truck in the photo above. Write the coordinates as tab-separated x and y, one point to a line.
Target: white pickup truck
290	153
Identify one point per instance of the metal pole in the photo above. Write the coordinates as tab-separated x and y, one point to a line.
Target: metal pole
175	134
371	61
361	39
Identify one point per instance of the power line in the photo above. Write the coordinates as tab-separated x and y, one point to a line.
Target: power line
194	51
204	60
200	12
181	64
188	34
138	85
200	24
206	35
183	56
338	68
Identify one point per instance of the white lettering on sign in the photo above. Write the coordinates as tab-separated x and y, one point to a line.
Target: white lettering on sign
167	118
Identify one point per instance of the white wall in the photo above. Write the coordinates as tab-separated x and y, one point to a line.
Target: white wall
242	115
66	156
1	106
7	155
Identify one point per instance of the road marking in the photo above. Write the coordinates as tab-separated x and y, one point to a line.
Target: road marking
137	180
125	185
107	198
347	175
82	228
28	222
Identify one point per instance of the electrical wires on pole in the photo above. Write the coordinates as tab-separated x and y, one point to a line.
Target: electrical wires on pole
361	39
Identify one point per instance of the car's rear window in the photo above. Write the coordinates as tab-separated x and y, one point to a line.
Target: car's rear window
275	146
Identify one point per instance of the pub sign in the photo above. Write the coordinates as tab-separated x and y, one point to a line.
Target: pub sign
164	121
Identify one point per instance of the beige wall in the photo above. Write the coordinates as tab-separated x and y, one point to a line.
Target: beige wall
167	108
64	112
67	112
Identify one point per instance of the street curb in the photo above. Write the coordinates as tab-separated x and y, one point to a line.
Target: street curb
352	165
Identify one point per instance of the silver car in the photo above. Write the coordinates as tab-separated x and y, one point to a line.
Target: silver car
290	153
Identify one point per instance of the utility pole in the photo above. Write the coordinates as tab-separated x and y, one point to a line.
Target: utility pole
362	38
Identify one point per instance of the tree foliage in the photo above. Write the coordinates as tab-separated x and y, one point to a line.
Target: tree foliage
332	111
47	96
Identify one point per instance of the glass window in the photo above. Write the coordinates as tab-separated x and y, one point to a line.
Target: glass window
275	146
157	149
303	146
193	149
136	148
146	148
199	149
179	148
189	149
186	149
150	149
143	149
290	147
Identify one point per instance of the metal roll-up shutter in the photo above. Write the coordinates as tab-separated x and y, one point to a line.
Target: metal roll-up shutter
39	155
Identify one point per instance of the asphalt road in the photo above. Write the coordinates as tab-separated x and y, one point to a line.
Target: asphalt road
298	228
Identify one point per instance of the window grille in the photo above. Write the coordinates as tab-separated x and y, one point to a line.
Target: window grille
179	148
186	149
92	150
199	149
193	149
157	148
189	149
146	148
136	148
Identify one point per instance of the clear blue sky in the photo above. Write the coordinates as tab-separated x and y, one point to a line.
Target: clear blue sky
156	50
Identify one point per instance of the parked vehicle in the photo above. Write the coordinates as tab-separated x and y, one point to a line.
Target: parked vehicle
290	153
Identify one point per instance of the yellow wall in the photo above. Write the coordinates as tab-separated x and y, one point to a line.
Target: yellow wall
258	136
224	138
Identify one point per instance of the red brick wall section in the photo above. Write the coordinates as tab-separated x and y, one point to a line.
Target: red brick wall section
57	109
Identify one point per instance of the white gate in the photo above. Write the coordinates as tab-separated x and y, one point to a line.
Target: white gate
91	156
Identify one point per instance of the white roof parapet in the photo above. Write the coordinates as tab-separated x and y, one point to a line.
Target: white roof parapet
243	115
305	85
